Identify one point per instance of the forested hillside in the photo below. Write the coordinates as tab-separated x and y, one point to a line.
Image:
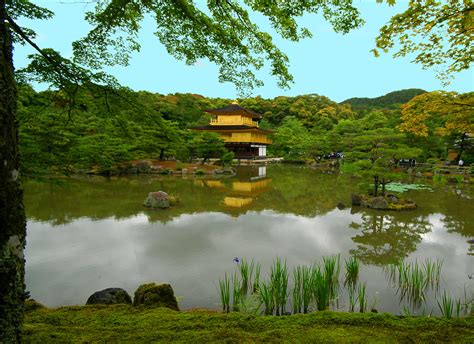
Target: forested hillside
101	129
390	100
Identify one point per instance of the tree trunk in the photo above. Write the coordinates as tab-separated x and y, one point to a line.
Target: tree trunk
461	147
12	214
376	186
162	154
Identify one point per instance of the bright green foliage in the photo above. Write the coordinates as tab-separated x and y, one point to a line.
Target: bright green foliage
206	145
376	152
291	140
220	31
439	33
124	323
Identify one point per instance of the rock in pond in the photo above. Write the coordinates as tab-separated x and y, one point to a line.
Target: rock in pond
390	202
156	295
341	206
378	203
109	296
158	199
356	199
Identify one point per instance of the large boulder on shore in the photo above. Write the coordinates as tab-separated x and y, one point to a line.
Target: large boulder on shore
158	199
109	296
156	295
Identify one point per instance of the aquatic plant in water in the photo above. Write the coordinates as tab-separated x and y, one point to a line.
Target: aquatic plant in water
297	299
224	287
352	266
279	283
352	297
413	279
400	187
318	285
362	297
446	305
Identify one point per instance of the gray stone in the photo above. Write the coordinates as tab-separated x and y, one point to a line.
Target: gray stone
109	296
392	198
378	203
159	199
356	199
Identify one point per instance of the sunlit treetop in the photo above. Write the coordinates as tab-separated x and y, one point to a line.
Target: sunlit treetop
439	34
221	31
450	112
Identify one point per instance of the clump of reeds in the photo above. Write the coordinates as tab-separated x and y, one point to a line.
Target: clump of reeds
352	266
242	286
321	288
246	274
446	305
352	297
307	288
265	293
413	279
224	287
279	285
297	299
332	269
237	293
362	297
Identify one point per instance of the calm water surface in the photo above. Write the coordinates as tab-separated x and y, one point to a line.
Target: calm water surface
92	233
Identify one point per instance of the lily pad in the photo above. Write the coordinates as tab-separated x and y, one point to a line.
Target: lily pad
400	187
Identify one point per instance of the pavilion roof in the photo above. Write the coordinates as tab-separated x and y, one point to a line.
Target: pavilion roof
233	109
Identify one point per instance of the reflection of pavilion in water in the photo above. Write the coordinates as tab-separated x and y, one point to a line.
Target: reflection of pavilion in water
252	182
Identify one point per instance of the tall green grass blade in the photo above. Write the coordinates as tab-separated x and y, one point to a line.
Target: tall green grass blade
446	306
224	288
362	297
237	293
352	266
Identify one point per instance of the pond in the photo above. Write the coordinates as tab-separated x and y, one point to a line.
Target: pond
90	233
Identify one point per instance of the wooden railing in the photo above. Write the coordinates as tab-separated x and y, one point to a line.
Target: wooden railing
242	121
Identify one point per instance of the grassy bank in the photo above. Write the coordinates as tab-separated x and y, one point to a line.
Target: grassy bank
124	323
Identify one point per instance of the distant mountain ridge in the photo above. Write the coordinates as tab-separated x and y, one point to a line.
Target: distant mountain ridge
390	99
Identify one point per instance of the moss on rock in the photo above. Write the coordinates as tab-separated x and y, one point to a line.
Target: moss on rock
389	202
157	295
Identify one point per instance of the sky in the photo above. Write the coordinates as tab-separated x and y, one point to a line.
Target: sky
330	64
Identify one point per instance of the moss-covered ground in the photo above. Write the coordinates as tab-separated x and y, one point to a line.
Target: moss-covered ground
122	323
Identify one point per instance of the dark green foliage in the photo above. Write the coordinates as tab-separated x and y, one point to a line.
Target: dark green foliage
103	129
389	100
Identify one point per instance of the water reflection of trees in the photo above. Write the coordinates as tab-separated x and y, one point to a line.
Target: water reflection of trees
288	189
388	238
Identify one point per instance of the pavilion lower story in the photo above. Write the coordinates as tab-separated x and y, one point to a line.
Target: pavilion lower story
247	150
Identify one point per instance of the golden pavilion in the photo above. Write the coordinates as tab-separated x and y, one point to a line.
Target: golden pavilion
238	127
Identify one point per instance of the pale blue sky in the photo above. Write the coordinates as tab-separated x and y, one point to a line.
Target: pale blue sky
330	64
